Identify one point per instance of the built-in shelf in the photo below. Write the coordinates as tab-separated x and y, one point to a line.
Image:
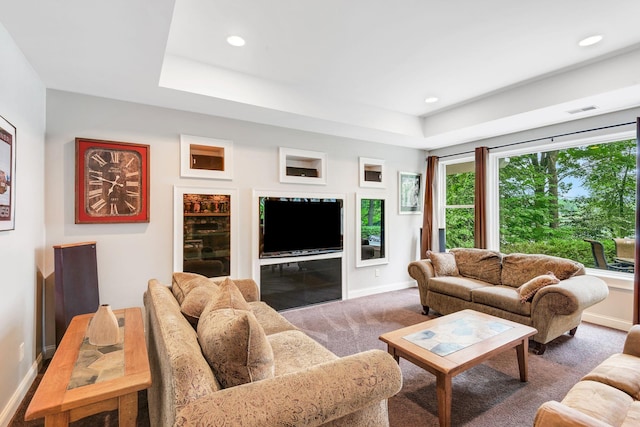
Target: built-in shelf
372	173
303	166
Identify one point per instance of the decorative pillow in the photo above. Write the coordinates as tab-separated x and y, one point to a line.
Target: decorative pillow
183	283
196	300
480	264
444	264
229	296
520	268
235	346
529	289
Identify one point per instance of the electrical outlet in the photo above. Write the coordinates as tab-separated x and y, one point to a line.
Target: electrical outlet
377	272
21	352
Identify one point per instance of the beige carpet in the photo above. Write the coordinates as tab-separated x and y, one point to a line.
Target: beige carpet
489	394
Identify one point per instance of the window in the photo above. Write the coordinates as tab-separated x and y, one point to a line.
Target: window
459	204
552	201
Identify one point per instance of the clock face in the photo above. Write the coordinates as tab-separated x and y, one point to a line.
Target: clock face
113	182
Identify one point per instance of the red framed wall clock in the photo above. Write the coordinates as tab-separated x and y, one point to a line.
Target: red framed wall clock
112	182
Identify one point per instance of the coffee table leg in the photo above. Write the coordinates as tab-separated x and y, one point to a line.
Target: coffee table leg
128	409
443	387
523	352
392	351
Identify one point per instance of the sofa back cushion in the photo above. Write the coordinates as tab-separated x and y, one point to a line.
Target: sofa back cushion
518	269
480	264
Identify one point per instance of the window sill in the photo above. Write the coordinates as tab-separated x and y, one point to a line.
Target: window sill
614	279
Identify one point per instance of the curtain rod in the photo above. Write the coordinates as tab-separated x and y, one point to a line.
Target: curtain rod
542	138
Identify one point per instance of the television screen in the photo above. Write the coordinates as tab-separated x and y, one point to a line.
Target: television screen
297	226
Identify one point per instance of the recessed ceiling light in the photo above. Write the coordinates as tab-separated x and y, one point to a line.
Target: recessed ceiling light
431	99
235	41
589	41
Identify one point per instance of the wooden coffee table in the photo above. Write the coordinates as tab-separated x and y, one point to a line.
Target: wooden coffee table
451	344
83	380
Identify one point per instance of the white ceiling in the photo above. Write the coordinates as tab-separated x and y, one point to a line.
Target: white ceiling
356	68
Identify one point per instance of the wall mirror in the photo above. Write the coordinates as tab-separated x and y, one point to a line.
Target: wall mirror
205	231
371	230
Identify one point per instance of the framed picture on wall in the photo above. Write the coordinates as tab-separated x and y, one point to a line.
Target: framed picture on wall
112	182
7	175
409	192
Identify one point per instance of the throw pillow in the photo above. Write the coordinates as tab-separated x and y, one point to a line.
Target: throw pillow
235	346
480	264
229	296
444	264
520	268
529	289
183	283
194	303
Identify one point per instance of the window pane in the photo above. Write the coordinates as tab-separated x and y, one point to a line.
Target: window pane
459	228
459	212
550	202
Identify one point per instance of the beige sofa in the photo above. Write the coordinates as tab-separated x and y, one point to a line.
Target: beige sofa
545	292
276	376
605	397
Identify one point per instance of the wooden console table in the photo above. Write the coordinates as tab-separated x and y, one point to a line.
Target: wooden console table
83	380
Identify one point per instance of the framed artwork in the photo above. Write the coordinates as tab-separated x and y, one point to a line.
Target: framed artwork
7	175
202	157
372	173
112	182
409	191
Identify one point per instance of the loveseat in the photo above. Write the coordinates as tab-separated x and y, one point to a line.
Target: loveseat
545	292
221	357
605	397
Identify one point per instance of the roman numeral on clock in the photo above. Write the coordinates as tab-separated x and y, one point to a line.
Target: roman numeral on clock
99	159
99	205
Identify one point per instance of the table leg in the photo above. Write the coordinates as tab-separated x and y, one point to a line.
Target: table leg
128	409
57	420
443	387
522	350
392	351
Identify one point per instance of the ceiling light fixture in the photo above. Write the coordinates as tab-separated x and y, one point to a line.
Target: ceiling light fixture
235	41
431	99
590	41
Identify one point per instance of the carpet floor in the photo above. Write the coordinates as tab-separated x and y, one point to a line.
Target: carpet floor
489	394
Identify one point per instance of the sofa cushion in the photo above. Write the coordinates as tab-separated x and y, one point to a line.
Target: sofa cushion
600	401
183	283
228	296
235	346
196	300
621	371
481	264
518	269
503	297
271	321
294	351
529	289
444	264
455	286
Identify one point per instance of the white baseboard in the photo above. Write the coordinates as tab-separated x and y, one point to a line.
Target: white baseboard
12	406
381	289
610	322
48	351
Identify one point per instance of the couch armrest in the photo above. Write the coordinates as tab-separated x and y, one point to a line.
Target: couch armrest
311	397
421	271
632	342
555	414
571	295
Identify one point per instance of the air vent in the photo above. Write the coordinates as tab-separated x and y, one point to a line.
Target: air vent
583	109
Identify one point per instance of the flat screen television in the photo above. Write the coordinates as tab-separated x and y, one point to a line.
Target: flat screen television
299	226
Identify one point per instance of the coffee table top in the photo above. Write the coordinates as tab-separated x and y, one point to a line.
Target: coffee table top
452	342
125	367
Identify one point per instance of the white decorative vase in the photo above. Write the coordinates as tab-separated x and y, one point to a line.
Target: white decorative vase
103	329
